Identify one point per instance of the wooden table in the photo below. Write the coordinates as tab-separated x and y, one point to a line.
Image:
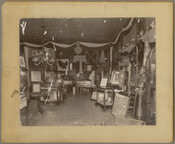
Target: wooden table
83	85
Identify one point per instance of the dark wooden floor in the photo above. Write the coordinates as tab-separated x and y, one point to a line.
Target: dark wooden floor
76	110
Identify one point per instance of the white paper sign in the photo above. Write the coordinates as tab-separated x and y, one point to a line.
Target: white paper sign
103	82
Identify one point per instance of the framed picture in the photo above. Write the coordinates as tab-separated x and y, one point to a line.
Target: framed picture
36	88
103	82
22	62
89	68
115	78
120	107
35	76
63	65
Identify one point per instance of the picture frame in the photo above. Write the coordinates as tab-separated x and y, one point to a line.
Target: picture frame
103	82
115	78
63	66
35	76
89	68
36	88
22	62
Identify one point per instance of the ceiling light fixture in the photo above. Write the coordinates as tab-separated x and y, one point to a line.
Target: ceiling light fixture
104	21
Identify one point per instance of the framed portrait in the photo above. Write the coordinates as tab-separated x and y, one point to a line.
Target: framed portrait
22	62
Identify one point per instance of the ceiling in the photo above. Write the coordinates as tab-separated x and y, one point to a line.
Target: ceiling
70	30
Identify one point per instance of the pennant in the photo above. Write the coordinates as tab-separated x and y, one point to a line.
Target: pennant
102	57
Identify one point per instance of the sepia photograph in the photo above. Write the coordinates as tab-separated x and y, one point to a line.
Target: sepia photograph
87	71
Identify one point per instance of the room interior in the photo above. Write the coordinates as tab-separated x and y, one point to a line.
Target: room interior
87	71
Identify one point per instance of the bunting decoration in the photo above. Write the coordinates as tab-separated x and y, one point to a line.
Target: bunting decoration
123	30
151	38
89	45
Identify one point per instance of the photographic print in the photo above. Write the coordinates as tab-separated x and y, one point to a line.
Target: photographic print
125	46
121	52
